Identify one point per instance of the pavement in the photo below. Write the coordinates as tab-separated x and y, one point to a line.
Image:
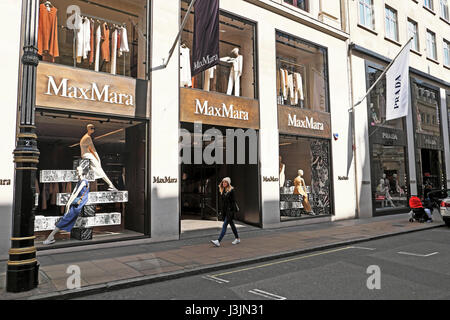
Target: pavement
104	269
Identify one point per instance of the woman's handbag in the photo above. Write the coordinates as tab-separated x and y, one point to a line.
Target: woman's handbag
220	216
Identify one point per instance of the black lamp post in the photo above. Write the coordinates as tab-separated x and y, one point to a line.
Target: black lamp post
23	268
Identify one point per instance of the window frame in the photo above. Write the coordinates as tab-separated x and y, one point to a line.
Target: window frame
434	47
446	48
367	8
443	4
431	4
391	23
416	39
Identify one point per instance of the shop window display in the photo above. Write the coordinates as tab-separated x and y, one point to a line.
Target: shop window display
305	178
111	187
100	35
236	72
302	79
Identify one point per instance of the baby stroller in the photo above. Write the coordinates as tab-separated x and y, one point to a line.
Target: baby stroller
417	212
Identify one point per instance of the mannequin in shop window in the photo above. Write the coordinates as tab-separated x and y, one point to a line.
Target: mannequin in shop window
75	204
383	190
300	188
237	61
88	152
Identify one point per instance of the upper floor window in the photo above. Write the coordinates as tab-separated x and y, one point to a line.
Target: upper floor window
366	17
446	53
301	4
431	45
391	24
429	4
444	9
412	32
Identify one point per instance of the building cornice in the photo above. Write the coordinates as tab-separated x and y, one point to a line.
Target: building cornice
299	17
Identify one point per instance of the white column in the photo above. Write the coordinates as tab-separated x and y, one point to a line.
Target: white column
164	122
268	137
445	133
11	15
411	147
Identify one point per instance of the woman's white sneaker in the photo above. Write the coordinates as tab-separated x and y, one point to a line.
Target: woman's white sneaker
216	243
236	241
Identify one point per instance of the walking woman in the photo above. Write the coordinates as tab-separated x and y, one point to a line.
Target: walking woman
229	208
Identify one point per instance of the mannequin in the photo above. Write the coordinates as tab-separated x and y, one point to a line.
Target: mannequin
236	71
398	189
282	175
88	152
74	206
383	190
300	188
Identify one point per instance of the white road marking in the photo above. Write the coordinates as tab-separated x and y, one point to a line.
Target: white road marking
215	279
267	295
364	248
418	255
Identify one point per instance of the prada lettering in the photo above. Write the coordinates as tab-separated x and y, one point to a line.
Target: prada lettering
5	182
390	136
93	93
270	179
221	112
164	180
398	87
205	61
431	142
307	123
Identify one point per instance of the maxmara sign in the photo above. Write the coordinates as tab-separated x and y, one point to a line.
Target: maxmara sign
304	122
84	90
218	109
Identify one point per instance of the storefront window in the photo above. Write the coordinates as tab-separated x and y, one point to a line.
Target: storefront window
121	148
302	79
389	178
236	42
100	35
429	142
305	177
377	102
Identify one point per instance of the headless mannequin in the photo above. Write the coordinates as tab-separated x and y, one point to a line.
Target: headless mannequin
282	175
300	188
75	194
236	71
88	152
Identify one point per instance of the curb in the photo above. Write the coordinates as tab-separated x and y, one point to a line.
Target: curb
128	283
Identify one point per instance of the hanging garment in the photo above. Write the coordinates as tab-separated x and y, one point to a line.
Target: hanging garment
283	84
44	196
75	208
124	41
98	38
48	32
278	83
282	176
114	52
119	39
106	55
235	74
291	89
299	82
54	190
83	36
209	74
319	91
185	66
91	44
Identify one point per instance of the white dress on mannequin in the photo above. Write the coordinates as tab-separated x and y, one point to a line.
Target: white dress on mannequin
235	73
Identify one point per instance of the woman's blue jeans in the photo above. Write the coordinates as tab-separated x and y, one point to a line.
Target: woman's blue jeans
224	229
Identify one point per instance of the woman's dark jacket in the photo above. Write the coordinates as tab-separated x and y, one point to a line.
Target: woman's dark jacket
228	204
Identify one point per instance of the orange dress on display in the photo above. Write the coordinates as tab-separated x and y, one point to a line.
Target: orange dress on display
300	188
105	49
48	32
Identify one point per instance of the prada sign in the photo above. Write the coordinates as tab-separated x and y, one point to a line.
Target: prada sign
218	109
304	122
64	87
387	136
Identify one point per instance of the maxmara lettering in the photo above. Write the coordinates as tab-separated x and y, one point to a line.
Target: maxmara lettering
307	123
222	112
93	93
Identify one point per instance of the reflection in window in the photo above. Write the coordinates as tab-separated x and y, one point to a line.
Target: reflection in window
389	177
236	41
366	13
412	32
301	4
431	45
103	36
427	110
377	102
305	178
391	24
301	74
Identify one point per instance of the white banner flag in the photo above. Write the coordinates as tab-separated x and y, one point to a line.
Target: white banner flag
397	86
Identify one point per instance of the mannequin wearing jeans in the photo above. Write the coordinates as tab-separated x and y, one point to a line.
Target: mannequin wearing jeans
228	210
236	71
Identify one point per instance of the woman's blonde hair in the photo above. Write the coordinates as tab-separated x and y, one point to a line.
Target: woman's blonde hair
228	188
